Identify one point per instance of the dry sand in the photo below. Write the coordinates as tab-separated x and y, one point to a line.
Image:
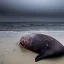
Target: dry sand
10	52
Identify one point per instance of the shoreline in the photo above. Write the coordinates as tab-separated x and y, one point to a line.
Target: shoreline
11	53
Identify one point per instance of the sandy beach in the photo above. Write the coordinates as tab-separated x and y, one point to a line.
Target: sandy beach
11	53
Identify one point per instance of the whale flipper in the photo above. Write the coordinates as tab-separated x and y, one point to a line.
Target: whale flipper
49	53
41	55
44	55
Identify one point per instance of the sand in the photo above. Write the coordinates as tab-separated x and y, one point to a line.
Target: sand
11	53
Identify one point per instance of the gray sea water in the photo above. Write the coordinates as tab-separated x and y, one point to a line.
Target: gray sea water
25	26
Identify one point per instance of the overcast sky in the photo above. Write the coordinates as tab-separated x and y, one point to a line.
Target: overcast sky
41	9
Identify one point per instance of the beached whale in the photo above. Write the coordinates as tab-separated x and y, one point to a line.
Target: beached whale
46	46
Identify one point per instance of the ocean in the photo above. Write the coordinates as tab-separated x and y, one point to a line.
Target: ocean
25	26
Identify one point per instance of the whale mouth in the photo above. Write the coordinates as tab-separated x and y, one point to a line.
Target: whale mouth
24	41
21	45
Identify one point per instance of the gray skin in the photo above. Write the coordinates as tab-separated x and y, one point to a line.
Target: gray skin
46	46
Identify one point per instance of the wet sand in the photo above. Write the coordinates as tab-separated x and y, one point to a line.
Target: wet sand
11	53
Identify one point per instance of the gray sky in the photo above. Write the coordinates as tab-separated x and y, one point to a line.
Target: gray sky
32	10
